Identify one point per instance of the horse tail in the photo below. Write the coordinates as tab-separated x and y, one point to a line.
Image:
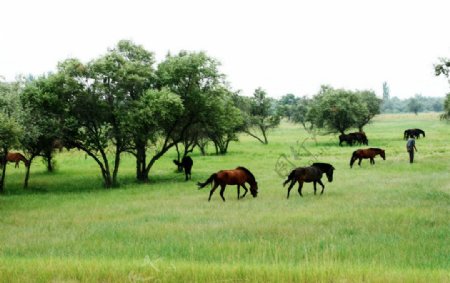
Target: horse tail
290	178
210	179
354	157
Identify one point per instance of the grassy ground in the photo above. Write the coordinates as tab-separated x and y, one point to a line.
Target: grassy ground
383	223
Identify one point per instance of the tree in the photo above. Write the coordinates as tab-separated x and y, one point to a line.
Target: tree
286	106
446	114
260	116
9	133
372	103
386	103
300	111
224	121
193	77
414	105
443	67
336	110
40	120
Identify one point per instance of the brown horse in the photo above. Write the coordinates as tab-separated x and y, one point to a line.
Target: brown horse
16	157
238	176
309	174
366	153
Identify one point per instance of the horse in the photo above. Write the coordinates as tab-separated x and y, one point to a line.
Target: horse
309	174
346	138
15	157
413	133
367	153
360	137
186	163
238	176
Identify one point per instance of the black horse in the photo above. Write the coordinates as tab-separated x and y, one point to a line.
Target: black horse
413	133
186	163
353	138
349	139
309	174
360	137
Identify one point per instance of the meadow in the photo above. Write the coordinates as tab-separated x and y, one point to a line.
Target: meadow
383	223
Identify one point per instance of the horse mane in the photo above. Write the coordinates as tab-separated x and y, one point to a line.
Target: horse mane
325	166
376	149
248	172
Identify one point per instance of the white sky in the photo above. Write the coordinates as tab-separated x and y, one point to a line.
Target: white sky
282	46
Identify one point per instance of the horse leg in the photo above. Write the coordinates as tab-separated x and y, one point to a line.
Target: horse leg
238	190
359	162
212	190
17	164
186	174
323	186
246	190
300	185
290	187
222	189
314	187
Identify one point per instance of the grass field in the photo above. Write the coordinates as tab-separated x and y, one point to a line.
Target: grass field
384	223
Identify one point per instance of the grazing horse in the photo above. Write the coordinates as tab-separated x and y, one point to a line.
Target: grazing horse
309	174
366	153
346	138
186	163
238	176
360	137
16	157
413	133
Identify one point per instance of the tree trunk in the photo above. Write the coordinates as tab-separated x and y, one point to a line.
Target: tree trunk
116	169
27	174
2	178
141	162
263	130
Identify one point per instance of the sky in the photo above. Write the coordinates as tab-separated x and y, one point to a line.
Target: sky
281	46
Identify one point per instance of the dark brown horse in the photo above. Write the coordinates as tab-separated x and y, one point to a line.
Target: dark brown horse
16	157
366	153
309	174
238	176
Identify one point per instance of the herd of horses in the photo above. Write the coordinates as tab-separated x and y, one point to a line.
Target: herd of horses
241	175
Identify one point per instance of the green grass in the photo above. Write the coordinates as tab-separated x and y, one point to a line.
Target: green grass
383	223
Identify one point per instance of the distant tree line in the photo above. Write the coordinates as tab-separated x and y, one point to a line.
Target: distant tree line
331	110
415	104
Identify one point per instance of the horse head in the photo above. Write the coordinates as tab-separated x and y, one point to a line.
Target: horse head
382	154
329	174
254	189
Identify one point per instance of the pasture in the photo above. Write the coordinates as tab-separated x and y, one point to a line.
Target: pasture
388	222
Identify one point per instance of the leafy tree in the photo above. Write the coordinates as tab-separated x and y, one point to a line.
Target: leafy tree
372	103
414	104
194	78
9	133
446	114
300	111
40	120
224	121
336	110
260	116
443	67
286	106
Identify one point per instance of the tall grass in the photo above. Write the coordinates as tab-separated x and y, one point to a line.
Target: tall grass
383	223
